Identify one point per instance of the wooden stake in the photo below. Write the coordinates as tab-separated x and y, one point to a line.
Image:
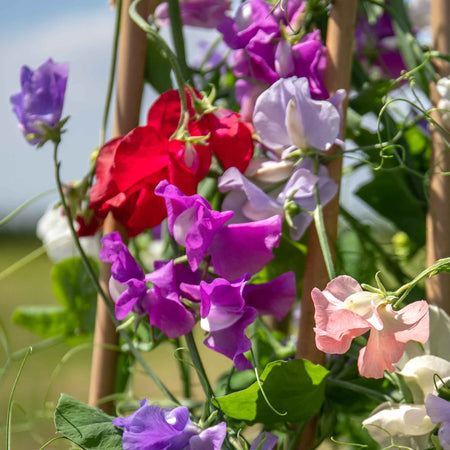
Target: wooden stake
340	37
130	82
438	218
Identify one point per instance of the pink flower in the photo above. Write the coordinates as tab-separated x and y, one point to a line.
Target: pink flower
344	311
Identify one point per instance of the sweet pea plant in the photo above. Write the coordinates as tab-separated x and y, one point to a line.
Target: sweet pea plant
212	199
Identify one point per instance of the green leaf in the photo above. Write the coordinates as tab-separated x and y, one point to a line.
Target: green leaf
293	387
45	321
88	427
73	288
157	69
391	196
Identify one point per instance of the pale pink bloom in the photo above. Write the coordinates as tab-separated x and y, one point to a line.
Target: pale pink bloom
344	311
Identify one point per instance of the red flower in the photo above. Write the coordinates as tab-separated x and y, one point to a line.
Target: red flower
230	138
129	168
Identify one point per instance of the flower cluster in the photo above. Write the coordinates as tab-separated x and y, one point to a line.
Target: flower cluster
263	54
129	168
228	305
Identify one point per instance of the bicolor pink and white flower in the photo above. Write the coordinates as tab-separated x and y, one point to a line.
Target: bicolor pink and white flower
344	311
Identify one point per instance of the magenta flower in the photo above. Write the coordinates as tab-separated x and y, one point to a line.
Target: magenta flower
227	309
127	284
249	202
439	411
344	311
286	115
234	249
40	101
128	288
153	428
197	13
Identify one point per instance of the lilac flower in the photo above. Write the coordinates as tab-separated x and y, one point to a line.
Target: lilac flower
296	200
153	428
439	411
128	288
234	249
41	98
197	13
227	309
286	115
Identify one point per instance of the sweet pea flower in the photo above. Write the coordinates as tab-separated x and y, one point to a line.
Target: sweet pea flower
439	411
228	308
40	101
409	424
153	428
268	440
286	115
234	249
197	13
344	311
54	232
128	288
249	202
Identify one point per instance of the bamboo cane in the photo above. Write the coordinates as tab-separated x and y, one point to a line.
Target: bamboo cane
438	218
130	81
340	37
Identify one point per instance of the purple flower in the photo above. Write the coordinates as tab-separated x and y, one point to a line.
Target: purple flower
127	284
249	202
234	249
41	98
197	13
128	288
286	115
227	309
262	54
439	411
153	428
269	441
376	46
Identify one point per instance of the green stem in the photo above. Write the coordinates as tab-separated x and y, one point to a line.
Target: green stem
359	389
99	289
11	396
184	370
176	28
112	73
196	360
321	231
14	213
172	58
43	345
439	266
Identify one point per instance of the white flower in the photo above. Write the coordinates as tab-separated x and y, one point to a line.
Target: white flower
54	232
443	87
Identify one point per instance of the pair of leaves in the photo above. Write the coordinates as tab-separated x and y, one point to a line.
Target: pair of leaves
76	294
88	427
294	388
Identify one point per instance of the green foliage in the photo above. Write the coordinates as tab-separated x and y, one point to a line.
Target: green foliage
390	195
294	387
76	294
88	427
